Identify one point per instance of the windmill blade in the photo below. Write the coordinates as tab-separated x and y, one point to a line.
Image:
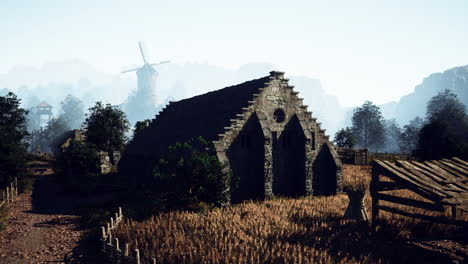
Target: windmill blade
131	68
162	62
144	51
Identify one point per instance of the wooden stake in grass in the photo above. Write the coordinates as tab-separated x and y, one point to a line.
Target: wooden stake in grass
127	249
137	255
110	238
103	233
117	244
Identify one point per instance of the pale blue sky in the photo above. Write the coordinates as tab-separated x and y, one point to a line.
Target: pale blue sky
360	50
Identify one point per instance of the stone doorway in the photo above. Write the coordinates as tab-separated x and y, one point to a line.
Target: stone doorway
246	158
289	160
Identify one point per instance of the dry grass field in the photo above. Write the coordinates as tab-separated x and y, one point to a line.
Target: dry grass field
306	230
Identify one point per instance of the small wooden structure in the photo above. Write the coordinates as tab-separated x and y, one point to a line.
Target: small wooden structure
444	182
353	156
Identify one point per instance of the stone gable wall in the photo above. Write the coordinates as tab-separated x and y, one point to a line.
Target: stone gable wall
278	94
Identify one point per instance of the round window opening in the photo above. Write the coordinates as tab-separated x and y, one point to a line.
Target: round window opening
279	115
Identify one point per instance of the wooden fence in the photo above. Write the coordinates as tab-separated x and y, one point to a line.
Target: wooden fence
364	157
353	156
111	246
443	182
9	193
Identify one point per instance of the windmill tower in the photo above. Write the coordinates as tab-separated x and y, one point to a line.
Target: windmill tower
146	75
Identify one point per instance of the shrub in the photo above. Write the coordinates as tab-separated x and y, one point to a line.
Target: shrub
80	159
191	171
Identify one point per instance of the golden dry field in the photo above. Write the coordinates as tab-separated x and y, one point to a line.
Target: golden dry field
306	230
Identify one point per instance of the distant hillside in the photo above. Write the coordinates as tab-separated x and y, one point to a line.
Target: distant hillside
54	80
414	104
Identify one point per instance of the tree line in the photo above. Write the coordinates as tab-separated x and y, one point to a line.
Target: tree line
442	133
104	127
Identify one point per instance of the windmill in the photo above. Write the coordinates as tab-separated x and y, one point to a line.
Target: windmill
146	75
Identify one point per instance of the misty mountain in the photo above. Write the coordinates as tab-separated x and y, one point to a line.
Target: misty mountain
55	80
414	104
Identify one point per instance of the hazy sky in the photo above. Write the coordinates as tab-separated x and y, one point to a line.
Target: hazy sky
360	50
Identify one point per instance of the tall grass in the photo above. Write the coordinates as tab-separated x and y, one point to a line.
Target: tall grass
306	230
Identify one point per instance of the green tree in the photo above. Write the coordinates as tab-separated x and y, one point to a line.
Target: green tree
140	126
42	140
344	138
72	112
368	127
409	136
80	159
13	133
445	135
192	171
392	135
105	126
445	106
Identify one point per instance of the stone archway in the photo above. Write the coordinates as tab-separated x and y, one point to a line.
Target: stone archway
325	179
289	160
246	157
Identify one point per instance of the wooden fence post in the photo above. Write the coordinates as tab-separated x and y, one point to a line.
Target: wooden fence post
12	189
127	249
373	192
137	255
7	195
110	238
16	185
103	233
117	244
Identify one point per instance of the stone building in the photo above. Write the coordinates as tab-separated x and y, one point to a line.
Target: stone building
262	131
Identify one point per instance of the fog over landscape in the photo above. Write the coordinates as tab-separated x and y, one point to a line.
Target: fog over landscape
55	80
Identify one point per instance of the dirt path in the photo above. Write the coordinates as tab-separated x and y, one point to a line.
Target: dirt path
37	238
36	233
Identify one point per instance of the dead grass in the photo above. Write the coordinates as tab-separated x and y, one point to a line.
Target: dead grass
306	230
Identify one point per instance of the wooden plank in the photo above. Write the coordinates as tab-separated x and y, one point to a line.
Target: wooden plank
376	172
460	199
427	176
456	181
417	173
387	186
455	168
430	172
409	183
458	164
443	175
447	169
439	170
410	202
440	219
460	161
418	181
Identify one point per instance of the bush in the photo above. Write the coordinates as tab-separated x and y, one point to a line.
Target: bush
80	159
191	172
